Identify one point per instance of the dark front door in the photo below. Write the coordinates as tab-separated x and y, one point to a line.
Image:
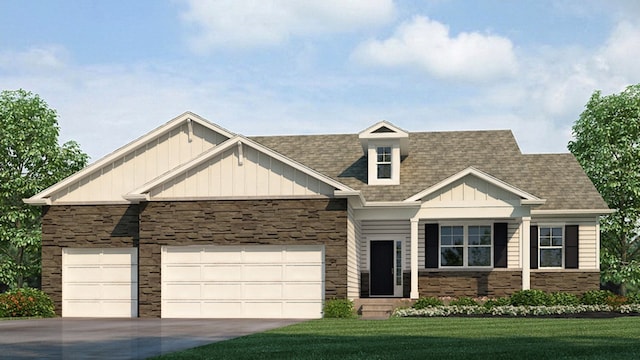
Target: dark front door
381	268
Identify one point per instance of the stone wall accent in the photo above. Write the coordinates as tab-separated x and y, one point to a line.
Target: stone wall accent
496	283
571	281
82	226
241	222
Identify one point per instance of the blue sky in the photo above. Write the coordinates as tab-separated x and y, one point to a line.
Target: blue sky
116	69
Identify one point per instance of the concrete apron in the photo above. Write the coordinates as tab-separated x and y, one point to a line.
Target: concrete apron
74	338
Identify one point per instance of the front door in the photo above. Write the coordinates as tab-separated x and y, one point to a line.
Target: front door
382	268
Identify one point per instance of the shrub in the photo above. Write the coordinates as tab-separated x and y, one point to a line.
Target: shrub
596	297
633	298
339	308
425	302
529	298
26	302
463	301
563	299
491	303
616	301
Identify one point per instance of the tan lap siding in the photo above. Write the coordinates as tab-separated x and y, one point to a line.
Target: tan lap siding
353	255
394	229
513	246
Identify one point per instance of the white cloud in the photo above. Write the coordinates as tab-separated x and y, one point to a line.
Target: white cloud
620	54
428	45
251	23
39	58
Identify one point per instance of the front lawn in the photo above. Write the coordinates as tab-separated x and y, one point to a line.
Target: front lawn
435	338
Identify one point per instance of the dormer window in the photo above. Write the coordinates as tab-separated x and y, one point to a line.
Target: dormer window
383	145
384	162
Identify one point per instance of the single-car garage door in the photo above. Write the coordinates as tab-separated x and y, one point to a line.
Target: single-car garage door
100	282
254	281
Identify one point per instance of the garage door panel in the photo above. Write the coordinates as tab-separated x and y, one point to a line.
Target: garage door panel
223	255
99	282
182	256
183	291
297	254
302	273
302	291
251	281
221	309
262	273
222	272
224	291
181	272
264	255
262	291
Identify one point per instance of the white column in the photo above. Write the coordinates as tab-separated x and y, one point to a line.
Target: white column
414	258
525	251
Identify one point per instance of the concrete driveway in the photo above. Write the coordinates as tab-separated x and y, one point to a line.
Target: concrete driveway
119	338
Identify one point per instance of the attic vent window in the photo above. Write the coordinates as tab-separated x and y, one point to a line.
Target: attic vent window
383	129
384	162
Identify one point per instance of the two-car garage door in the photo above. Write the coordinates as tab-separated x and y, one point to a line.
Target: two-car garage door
254	281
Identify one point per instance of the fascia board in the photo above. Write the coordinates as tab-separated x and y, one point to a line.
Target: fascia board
573	212
483	176
159	131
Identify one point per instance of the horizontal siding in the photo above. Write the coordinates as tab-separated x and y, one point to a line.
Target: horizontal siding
252	174
395	230
353	255
141	165
513	246
588	239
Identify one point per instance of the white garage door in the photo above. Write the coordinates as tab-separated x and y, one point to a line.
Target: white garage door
100	282
242	281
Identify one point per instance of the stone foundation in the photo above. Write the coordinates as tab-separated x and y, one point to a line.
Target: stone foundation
496	283
571	281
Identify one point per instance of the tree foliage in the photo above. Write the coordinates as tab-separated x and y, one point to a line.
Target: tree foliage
607	145
30	161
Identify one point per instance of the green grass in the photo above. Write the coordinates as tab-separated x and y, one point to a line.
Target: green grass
435	338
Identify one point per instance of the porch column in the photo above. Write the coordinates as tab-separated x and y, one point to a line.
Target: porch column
414	258
525	250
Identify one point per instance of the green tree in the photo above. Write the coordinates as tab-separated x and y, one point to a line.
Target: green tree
607	145
30	161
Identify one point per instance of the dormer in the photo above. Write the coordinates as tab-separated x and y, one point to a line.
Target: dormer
384	144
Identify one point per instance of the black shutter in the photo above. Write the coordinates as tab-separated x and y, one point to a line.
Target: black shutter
571	247
431	234
533	234
500	234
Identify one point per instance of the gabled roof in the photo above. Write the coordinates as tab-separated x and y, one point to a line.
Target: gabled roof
525	196
187	117
138	194
436	156
385	130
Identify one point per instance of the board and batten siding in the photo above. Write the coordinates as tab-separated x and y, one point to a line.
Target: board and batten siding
140	165
353	254
470	189
251	174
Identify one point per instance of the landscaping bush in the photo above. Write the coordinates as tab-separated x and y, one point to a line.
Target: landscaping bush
339	308
616	301
596	297
26	302
463	301
530	298
425	302
503	301
633	298
563	299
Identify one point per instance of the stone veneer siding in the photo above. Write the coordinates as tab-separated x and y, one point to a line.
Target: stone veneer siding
82	226
571	281
240	222
496	283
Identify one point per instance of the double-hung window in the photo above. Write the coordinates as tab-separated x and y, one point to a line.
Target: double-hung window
551	240
383	162
466	246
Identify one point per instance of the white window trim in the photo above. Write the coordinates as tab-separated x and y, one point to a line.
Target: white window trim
564	241
465	256
390	162
372	160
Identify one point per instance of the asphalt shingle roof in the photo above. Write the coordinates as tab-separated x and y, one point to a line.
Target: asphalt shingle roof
435	156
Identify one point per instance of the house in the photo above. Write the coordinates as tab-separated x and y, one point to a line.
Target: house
192	220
